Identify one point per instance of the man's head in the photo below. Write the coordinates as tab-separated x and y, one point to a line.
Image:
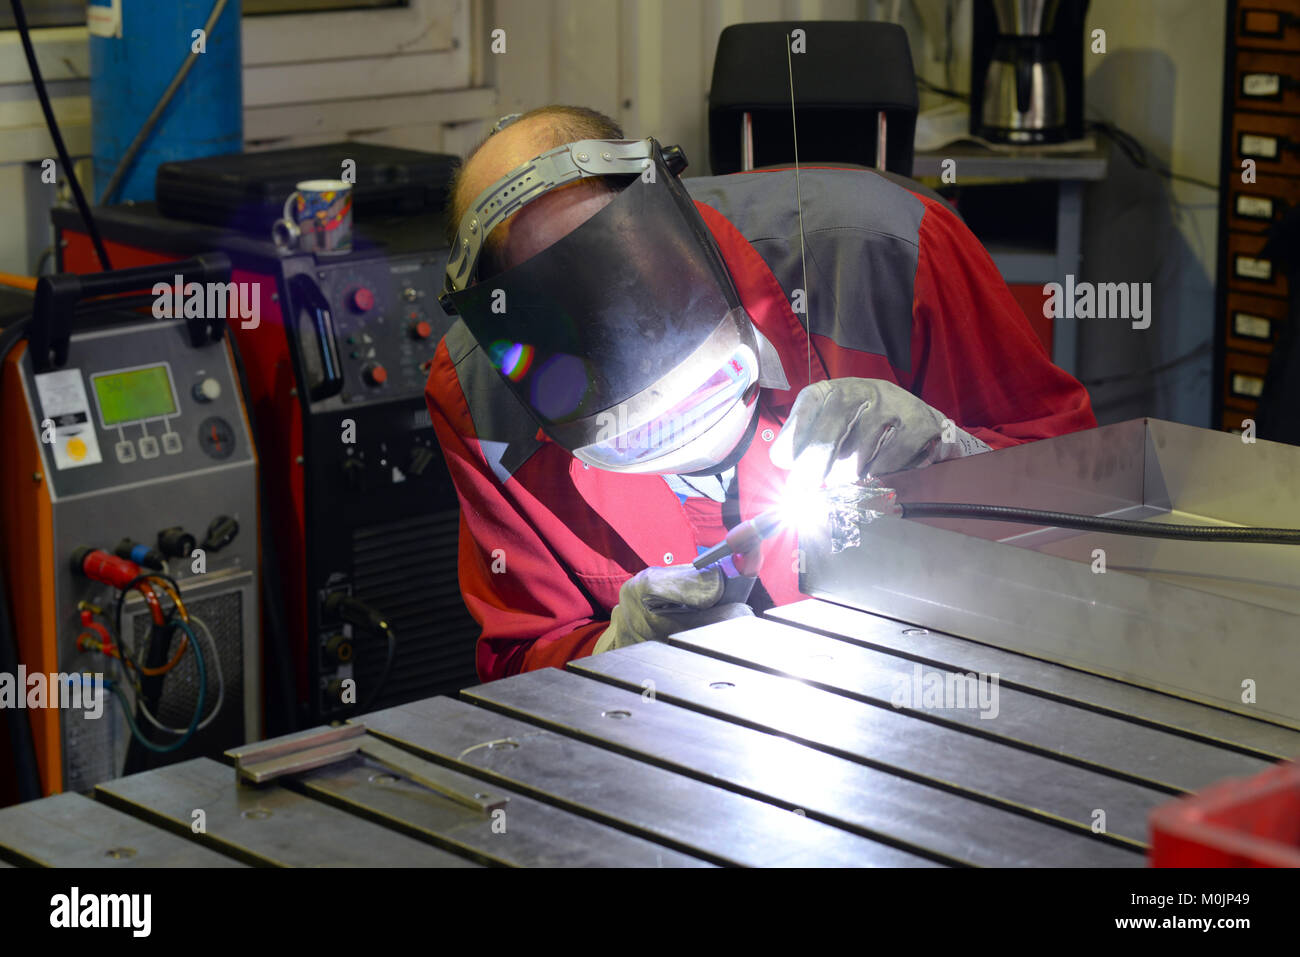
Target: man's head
549	217
601	297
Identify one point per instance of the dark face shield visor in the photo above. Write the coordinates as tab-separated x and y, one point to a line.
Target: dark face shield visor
626	339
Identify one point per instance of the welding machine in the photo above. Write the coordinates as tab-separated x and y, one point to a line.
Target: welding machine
129	510
363	510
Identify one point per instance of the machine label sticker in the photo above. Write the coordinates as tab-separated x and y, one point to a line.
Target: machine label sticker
104	21
1261	84
65	403
1255	207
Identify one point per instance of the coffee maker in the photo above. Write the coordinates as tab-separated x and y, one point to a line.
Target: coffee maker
1027	70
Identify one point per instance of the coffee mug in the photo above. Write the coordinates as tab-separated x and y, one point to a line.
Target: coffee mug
317	218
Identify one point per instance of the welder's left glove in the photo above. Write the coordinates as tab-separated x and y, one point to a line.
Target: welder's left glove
861	426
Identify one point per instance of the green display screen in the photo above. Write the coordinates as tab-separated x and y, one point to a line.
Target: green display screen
137	394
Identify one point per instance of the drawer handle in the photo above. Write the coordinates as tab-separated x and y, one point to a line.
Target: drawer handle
1270	24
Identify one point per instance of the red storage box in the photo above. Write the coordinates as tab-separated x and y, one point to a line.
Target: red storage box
1246	822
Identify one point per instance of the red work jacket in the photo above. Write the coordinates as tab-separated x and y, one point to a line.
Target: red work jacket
545	542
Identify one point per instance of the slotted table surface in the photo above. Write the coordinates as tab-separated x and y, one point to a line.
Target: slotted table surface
806	738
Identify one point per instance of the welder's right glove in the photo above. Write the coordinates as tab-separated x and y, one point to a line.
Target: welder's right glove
657	602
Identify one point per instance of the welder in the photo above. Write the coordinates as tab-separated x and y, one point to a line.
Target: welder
631	374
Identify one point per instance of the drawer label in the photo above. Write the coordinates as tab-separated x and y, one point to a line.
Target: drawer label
1255	207
1251	268
1252	327
1261	84
1253	144
1251	386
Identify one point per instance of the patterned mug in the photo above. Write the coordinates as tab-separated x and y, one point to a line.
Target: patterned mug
317	218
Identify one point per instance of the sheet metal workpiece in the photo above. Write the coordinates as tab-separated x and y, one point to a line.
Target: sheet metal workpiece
1210	622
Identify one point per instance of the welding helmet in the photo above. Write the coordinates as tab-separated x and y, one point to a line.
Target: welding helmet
625	339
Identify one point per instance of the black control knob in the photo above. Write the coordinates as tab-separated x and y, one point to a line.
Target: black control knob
221	532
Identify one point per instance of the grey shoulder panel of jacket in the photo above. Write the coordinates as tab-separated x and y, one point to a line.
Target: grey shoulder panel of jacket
861	239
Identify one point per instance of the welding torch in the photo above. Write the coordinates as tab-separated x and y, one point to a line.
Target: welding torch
737	555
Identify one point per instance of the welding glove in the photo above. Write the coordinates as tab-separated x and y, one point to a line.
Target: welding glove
864	426
657	602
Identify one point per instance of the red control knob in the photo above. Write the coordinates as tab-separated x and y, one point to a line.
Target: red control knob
376	374
363	300
421	330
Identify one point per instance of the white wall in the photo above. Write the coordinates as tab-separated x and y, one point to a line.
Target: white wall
1161	80
646	63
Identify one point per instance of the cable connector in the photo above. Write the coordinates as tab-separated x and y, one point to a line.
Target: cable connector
143	555
356	613
98	565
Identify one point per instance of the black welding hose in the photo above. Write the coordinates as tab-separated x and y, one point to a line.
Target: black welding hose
1094	523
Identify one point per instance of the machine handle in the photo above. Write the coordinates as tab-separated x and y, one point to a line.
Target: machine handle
57	298
307	295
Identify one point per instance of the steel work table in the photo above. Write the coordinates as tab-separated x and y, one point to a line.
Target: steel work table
762	742
788	740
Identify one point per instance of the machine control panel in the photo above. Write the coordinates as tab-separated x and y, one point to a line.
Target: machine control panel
385	323
137	406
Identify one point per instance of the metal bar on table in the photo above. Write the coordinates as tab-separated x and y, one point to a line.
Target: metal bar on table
318	747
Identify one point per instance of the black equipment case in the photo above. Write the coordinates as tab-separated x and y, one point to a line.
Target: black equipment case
246	191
